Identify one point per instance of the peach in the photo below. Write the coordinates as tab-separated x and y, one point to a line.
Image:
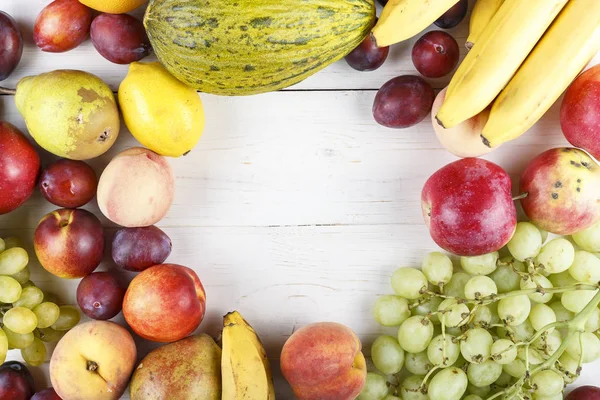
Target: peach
93	361
136	188
563	191
165	303
324	361
463	140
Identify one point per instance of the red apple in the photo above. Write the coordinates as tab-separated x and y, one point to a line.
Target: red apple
165	303
19	168
69	243
468	207
62	25
580	112
584	393
563	191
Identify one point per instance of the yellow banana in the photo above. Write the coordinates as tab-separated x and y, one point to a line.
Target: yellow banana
482	14
245	369
403	19
566	48
503	46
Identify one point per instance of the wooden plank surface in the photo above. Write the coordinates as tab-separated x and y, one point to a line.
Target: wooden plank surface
295	207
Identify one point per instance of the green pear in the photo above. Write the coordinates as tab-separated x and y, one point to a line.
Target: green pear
72	114
189	369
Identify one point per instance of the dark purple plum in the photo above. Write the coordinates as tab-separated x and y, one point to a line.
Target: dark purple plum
453	16
68	183
120	38
46	394
16	382
367	56
136	249
403	101
11	45
435	54
100	295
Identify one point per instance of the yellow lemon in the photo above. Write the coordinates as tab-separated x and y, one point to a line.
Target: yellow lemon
162	113
113	6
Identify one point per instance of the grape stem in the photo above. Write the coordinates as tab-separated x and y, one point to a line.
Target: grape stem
8	91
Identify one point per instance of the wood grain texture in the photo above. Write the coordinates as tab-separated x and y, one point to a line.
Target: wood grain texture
294	208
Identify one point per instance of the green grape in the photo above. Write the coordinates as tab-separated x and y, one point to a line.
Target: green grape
391	310
521	333
505	380
418	363
592	324
47	313
20	320
438	348
415	334
2	245
506	279
50	298
10	289
562	314
569	366
516	369
391	397
472	397
526	241
542	315
17	340
563	279
387	355
494	309
411	388
557	255
576	300
35	354
590	344
22	276
408	283
430	306
456	286
558	396
479	391
533	283
49	335
453	314
27	284
11	242
477	345
480	265
485	373
480	286
514	310
544	234
548	344
503	351
585	267
375	387
3	346
68	318
589	239
533	356
547	383
30	297
449	384
437	268
482	316
13	260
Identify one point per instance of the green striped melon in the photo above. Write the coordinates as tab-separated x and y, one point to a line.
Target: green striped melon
244	47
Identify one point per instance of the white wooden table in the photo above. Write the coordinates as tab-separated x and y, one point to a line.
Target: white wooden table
295	207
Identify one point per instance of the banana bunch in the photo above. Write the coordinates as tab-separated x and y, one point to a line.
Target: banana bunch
524	54
245	370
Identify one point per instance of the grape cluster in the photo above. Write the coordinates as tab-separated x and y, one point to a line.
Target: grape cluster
513	324
28	316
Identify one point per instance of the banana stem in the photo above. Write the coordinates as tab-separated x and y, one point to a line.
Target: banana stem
8	91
